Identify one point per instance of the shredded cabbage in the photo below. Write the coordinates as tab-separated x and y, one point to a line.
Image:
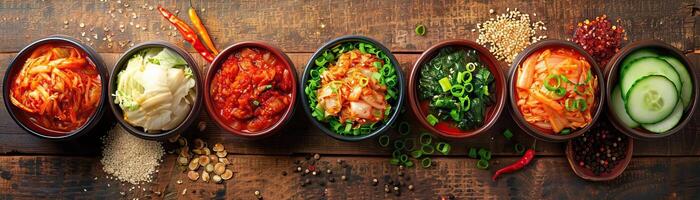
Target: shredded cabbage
155	90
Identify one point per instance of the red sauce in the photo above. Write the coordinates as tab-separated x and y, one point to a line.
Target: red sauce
57	89
252	90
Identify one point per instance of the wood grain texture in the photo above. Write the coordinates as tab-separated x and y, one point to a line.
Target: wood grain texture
301	137
304	25
24	177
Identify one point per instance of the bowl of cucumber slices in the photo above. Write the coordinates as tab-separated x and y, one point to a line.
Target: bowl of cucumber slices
651	90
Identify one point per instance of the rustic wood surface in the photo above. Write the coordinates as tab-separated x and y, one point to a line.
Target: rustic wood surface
31	167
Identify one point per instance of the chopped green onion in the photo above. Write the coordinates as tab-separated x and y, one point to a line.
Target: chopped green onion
314	74
256	103
391	82
468	87
508	134
519	149
420	30
468	102
404	128
460	77
384	141
471	67
468	79
394	161
321	61
362	48
565	131
408	163
482	164
581	104
427	149
425	139
484	154
364	82
445	84
455	115
472	153
378	65
569	105
416	154
399	144
443	148
560	92
548	82
432	120
348	127
426	162
457	90
403	158
396	153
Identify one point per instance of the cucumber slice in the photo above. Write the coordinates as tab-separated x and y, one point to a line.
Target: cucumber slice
651	99
648	66
641	53
668	123
619	108
687	88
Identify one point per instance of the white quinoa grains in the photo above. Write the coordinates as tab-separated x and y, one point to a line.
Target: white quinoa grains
129	158
509	33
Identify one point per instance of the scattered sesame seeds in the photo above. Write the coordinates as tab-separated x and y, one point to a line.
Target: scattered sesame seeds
509	33
129	158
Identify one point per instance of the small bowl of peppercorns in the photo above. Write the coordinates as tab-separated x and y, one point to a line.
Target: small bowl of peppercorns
601	154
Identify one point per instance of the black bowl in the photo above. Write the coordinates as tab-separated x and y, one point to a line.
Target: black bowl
194	111
16	65
396	106
515	112
612	75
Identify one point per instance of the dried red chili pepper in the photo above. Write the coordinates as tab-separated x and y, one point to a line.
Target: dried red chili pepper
600	38
187	33
524	161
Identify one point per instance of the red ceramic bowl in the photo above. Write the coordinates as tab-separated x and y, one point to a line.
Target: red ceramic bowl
612	74
214	68
492	112
21	118
548	135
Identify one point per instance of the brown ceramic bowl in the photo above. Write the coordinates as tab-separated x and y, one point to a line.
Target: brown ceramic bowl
612	74
22	119
587	174
492	112
548	135
139	131
214	68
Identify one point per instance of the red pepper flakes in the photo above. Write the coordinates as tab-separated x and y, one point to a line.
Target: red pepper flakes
600	38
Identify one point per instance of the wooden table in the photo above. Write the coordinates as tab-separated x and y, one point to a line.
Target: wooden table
30	167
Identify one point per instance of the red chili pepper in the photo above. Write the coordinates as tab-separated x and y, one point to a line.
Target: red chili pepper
524	161
187	33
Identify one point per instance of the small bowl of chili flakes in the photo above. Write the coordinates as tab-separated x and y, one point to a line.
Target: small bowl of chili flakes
251	89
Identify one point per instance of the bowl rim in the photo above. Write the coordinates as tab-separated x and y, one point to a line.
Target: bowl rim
580	171
517	116
499	75
310	64
216	65
20	58
121	64
612	76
